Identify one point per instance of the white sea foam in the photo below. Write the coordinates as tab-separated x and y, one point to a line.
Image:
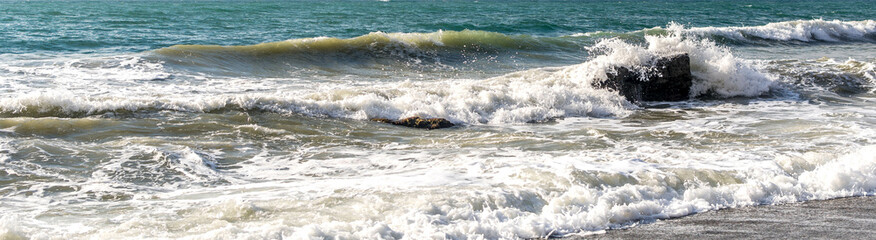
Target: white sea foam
718	71
827	74
550	198
817	30
5	148
525	96
800	30
9	228
123	68
578	175
490	191
862	68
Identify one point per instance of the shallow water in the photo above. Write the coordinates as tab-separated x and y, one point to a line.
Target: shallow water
210	120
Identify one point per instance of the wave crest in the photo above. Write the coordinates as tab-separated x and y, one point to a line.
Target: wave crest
373	49
379	50
800	31
524	96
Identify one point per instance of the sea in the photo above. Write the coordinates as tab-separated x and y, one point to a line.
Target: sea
251	119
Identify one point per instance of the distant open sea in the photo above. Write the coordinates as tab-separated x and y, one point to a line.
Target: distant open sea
250	119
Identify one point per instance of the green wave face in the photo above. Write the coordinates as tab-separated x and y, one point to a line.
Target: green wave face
441	49
466	50
480	50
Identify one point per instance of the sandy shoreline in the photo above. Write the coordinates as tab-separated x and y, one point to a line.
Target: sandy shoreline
844	218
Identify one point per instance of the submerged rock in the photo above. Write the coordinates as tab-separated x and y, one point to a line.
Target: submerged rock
670	81
417	122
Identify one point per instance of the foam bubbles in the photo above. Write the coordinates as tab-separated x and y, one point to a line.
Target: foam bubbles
525	96
601	163
800	30
9	228
851	174
717	70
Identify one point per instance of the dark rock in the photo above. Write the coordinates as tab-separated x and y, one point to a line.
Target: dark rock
417	122
670	81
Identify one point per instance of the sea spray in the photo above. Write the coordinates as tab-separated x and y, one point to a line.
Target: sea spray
525	96
717	70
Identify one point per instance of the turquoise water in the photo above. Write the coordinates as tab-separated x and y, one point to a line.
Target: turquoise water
250	120
135	26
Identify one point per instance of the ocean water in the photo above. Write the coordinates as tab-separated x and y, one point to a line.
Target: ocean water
249	120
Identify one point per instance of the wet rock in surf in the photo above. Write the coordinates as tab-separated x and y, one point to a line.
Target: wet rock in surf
670	81
417	122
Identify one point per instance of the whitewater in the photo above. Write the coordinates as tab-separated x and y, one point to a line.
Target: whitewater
188	138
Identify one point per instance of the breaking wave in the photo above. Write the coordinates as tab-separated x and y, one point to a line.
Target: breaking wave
472	47
796	31
525	96
376	48
847	77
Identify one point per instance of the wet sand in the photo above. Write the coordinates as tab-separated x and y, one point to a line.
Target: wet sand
845	218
